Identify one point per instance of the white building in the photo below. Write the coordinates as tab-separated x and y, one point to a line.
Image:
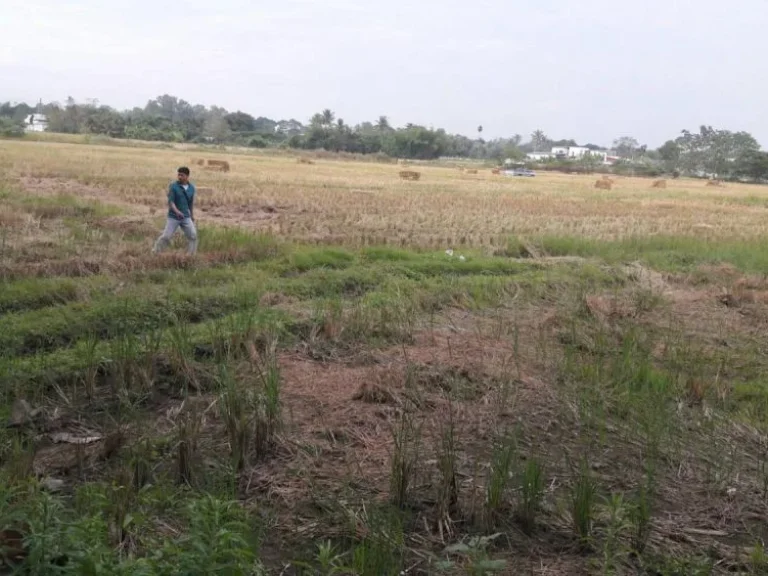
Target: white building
36	123
538	156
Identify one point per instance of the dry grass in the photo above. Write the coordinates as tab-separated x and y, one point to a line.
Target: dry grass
358	203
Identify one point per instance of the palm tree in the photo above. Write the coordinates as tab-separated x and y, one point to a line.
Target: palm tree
328	117
539	140
383	124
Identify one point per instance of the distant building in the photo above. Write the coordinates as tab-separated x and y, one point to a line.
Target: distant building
36	123
605	157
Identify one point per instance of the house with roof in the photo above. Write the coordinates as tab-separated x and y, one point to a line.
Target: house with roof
36	123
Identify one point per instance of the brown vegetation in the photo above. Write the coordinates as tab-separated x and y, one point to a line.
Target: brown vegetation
659	184
603	184
303	160
410	175
217	165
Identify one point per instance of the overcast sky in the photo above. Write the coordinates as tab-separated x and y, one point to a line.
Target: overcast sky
591	70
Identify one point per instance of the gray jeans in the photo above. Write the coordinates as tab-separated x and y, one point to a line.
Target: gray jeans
187	226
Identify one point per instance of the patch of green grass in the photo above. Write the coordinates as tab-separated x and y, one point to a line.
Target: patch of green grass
69	365
304	259
136	312
215	537
258	246
65	206
751	399
385	254
673	253
30	294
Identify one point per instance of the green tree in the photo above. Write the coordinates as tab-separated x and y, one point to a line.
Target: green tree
382	124
240	122
10	128
104	120
712	151
589	162
626	147
216	127
669	153
753	165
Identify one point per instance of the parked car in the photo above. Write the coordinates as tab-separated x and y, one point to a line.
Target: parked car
521	172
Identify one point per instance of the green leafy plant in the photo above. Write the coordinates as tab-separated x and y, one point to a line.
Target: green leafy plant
473	557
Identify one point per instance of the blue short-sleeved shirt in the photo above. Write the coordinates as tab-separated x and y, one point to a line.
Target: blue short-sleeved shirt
184	199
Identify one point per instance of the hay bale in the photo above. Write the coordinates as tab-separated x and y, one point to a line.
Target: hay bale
304	161
659	184
217	165
470	171
410	175
715	183
496	171
604	184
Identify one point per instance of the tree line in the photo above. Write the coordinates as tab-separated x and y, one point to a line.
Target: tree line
707	152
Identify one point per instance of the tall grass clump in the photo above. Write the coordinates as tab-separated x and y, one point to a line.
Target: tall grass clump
252	414
188	429
382	550
583	499
406	436
499	476
531	494
447	464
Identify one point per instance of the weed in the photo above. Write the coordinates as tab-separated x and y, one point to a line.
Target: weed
220	540
92	363
759	559
499	474
473	557
236	407
447	462
406	436
639	516
583	500
188	428
531	494
181	355
616	524
268	417
329	562
382	550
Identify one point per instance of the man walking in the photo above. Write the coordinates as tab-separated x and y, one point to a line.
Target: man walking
181	197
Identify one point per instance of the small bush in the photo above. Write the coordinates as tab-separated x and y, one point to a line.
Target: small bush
11	129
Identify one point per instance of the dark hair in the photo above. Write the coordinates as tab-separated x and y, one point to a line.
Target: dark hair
183	170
